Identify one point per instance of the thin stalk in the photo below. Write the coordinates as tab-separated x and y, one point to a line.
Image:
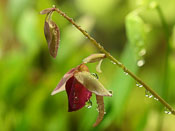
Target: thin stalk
118	63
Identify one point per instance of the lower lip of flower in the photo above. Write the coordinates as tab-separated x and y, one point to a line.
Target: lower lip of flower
78	95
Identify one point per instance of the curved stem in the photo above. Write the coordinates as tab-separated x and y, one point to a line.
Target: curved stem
109	56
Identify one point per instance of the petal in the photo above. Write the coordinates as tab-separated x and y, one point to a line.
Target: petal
91	83
46	11
78	95
54	42
98	67
101	110
94	58
47	32
61	86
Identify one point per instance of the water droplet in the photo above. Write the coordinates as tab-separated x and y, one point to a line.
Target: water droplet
126	73
95	75
167	111
148	94
113	62
156	99
139	85
111	92
142	52
76	100
88	104
119	63
140	62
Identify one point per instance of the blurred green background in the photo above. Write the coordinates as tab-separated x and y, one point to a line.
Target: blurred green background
130	29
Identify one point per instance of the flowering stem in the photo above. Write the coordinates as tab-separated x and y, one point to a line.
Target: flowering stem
118	63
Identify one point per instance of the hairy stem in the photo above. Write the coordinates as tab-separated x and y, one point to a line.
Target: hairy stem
118	63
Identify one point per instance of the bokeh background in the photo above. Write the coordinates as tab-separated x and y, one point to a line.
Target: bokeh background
130	29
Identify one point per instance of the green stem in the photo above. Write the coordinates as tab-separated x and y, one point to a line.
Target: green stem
109	56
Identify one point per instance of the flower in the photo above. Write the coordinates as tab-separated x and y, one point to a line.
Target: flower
51	32
79	85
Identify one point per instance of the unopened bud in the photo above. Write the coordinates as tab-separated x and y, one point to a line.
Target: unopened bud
52	35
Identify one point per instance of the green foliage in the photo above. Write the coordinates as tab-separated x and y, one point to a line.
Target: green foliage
28	74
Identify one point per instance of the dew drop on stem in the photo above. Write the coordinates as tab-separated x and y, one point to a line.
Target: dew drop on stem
126	73
167	111
156	99
142	52
148	94
139	85
113	62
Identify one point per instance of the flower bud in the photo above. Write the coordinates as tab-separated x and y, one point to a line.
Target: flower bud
52	35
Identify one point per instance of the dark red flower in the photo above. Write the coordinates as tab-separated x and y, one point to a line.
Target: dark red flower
79	85
78	95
